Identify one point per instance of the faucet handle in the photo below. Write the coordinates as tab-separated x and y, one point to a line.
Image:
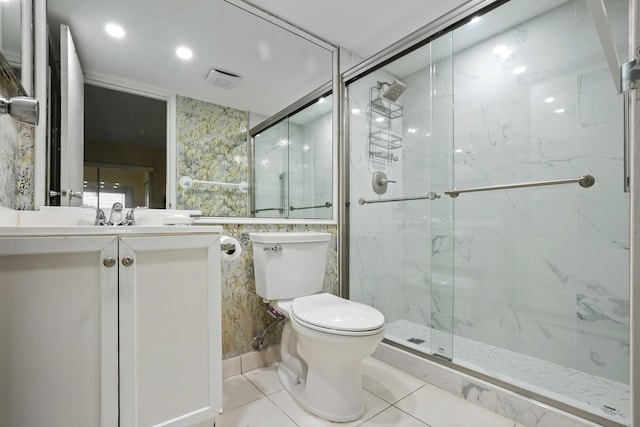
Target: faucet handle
129	218
101	218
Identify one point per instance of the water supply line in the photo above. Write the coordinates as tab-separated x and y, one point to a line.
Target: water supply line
258	340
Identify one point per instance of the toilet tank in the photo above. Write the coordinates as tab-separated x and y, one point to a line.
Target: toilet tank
289	265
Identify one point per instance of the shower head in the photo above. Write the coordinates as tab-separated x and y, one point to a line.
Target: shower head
394	90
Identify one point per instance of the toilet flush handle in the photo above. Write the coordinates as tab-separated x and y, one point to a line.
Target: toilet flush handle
276	248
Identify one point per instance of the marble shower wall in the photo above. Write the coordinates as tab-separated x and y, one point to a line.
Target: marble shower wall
16	157
375	250
539	271
310	167
243	312
212	146
543	271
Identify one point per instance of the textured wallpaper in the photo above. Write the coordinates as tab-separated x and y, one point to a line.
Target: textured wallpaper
243	312
212	146
16	158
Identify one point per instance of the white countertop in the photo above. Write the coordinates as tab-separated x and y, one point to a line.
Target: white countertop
46	230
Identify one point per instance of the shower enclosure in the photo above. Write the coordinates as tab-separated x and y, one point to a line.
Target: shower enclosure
523	278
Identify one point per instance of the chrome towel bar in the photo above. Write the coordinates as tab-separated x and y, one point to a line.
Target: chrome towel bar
326	205
585	181
430	196
255	211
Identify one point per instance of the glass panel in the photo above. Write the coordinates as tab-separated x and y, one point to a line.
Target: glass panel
271	158
401	251
529	285
310	161
541	274
292	161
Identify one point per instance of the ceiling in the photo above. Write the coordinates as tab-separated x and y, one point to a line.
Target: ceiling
276	66
364	27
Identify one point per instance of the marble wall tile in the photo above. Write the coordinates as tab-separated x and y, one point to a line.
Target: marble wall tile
522	265
603	324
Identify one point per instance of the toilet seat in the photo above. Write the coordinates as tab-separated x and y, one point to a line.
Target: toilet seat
331	314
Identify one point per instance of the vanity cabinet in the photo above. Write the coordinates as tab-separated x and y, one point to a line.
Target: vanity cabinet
110	330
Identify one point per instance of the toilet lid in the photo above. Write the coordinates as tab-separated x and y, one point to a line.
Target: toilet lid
332	312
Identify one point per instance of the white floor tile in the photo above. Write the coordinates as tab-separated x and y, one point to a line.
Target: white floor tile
387	382
259	413
374	405
237	391
393	417
265	379
437	408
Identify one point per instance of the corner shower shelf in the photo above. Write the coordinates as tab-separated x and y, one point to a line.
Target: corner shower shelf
383	122
386	108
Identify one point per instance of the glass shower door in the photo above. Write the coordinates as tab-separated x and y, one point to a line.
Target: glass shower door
401	245
541	273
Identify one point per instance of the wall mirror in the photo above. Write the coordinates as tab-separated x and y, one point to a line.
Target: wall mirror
237	69
15	42
292	167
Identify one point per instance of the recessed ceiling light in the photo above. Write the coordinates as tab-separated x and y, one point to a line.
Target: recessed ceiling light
549	100
184	53
379	119
560	110
519	70
114	30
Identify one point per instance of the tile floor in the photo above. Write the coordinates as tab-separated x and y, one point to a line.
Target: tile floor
393	398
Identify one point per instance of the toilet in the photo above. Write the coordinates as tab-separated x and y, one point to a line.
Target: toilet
325	337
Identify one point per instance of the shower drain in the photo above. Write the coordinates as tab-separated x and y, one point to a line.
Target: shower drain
415	340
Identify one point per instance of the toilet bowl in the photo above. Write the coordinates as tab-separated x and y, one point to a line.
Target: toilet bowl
325	337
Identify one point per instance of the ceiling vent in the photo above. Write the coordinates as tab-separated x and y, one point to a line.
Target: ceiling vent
223	79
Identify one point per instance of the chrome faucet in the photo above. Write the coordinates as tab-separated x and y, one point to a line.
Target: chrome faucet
115	218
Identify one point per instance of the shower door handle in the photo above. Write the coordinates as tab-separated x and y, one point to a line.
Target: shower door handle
626	99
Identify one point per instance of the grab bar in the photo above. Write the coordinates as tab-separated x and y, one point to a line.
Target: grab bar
585	181
187	182
430	196
326	205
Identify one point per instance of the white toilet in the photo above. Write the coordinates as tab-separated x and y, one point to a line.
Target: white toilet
325	337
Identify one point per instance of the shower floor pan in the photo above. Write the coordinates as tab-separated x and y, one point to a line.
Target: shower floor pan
606	398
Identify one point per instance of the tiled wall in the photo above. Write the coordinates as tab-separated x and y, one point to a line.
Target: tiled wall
212	146
16	158
539	271
243	312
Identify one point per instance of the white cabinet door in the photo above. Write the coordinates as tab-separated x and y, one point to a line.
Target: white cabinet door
170	355
58	331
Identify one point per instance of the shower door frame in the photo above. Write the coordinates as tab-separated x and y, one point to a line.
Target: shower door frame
459	16
633	132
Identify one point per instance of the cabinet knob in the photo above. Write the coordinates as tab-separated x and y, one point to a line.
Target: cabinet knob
109	262
127	261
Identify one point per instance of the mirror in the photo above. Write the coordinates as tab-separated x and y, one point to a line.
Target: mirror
242	69
293	163
11	33
15	43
